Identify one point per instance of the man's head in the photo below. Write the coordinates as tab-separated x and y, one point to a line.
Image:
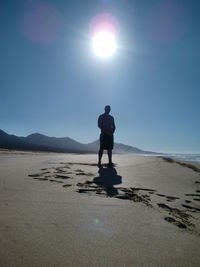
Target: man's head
107	109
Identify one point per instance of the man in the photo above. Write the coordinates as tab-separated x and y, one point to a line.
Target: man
107	125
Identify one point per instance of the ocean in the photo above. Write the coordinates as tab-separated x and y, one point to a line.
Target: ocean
185	157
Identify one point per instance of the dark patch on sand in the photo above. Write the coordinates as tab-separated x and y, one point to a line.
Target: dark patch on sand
84	173
84	190
67	185
130	194
58	170
41	178
51	176
181	215
119	192
52	180
183	164
188	201
190	208
84	184
143	189
160	195
35	175
192	195
175	222
62	176
168	198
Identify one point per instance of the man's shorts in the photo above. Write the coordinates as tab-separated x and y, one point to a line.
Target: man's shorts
106	141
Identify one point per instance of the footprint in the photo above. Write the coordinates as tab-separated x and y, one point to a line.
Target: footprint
84	173
57	170
41	178
34	175
190	208
143	189
66	167
37	174
52	180
85	190
197	199
165	207
67	185
62	176
193	195
160	195
132	195
175	222
85	184
125	194
176	212
169	198
88	182
188	201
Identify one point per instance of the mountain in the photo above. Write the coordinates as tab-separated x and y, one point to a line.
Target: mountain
54	142
40	142
119	148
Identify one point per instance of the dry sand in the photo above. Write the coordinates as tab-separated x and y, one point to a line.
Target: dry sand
57	210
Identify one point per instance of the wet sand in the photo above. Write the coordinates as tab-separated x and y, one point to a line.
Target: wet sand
60	210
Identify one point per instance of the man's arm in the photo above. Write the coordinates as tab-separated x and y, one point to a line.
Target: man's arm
99	122
114	125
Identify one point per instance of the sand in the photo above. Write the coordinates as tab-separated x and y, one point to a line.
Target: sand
57	210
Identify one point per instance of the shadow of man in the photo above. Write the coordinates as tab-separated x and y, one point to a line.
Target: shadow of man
107	179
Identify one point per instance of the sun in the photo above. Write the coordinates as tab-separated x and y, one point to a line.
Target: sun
104	29
104	44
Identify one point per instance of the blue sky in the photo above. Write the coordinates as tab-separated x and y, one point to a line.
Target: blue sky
52	83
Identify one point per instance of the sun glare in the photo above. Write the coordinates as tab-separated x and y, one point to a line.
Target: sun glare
104	29
104	44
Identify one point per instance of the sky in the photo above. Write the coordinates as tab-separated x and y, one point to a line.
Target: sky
51	81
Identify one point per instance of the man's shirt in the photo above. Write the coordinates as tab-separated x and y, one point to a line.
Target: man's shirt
106	123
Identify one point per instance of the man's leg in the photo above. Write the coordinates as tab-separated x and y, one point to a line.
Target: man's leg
100	156
110	156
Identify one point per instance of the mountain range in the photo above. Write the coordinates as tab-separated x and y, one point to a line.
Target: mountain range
40	142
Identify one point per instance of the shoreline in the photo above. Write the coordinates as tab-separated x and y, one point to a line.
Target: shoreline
158	155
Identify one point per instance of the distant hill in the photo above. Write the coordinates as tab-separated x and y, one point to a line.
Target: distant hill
40	142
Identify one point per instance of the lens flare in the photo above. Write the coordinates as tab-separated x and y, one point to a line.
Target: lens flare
96	221
40	21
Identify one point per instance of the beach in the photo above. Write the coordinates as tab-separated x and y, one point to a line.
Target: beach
60	210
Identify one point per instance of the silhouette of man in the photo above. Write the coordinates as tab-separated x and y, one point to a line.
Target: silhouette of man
107	125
